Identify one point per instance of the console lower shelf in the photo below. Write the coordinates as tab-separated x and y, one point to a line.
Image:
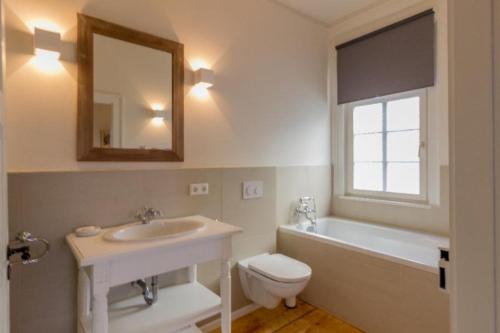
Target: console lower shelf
178	308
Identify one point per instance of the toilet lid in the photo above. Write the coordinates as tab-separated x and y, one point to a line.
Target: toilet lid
280	268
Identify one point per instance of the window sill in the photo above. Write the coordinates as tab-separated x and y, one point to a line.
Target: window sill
385	202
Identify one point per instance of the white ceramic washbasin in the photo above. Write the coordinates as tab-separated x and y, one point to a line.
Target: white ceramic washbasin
155	230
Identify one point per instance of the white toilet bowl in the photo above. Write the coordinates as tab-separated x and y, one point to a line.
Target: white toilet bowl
268	278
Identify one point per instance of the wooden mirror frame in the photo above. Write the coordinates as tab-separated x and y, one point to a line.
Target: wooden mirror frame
87	27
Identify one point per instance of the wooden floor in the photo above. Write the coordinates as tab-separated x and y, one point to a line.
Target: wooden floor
304	318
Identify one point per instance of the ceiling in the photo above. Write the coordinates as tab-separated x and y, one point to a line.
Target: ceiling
328	11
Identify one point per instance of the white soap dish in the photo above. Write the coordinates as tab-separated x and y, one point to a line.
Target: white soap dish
87	231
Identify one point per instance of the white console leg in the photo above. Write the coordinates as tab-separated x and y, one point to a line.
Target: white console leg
100	289
193	273
225	293
100	314
83	294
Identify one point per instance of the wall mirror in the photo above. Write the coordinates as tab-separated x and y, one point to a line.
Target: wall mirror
130	94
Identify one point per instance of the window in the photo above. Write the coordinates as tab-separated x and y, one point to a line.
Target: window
386	141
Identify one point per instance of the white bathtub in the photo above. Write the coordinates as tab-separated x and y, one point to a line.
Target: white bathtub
416	249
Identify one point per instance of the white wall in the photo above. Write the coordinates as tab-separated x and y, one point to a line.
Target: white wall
496	89
472	166
268	106
4	228
434	216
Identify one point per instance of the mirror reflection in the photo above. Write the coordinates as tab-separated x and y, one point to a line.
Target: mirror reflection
132	95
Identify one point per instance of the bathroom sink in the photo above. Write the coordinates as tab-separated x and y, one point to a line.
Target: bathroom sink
155	230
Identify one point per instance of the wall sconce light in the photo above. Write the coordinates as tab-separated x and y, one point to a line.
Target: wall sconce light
47	43
204	78
158	112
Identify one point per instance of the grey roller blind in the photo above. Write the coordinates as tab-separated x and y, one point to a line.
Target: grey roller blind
397	58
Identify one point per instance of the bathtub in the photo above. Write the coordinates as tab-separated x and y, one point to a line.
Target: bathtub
416	249
380	279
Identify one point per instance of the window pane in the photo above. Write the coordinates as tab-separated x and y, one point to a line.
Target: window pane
368	148
403	178
403	146
367	118
368	176
403	114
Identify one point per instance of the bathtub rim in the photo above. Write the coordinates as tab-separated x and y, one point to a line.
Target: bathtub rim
291	229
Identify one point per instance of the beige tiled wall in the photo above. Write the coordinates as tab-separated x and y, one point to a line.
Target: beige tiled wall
53	204
376	295
294	182
255	217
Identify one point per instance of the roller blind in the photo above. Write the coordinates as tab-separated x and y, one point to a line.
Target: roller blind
394	59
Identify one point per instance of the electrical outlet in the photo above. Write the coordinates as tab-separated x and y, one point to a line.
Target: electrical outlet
198	189
253	189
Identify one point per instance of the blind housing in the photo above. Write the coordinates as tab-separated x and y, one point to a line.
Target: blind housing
394	59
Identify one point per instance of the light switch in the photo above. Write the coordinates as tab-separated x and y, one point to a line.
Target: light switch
253	189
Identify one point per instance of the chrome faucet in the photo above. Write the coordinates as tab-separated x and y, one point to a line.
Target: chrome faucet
307	208
146	214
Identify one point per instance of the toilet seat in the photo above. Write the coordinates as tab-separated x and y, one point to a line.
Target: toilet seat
280	268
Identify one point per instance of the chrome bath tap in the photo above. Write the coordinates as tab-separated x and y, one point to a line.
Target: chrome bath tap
147	214
307	208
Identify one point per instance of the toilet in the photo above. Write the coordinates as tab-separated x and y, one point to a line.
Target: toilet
268	278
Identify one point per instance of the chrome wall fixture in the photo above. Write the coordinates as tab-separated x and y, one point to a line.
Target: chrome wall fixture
20	250
307	208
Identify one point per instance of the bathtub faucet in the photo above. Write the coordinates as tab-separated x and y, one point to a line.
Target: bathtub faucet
307	208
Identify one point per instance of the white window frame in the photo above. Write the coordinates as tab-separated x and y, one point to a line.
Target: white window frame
349	142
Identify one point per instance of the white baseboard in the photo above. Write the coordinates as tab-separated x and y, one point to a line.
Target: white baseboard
234	315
